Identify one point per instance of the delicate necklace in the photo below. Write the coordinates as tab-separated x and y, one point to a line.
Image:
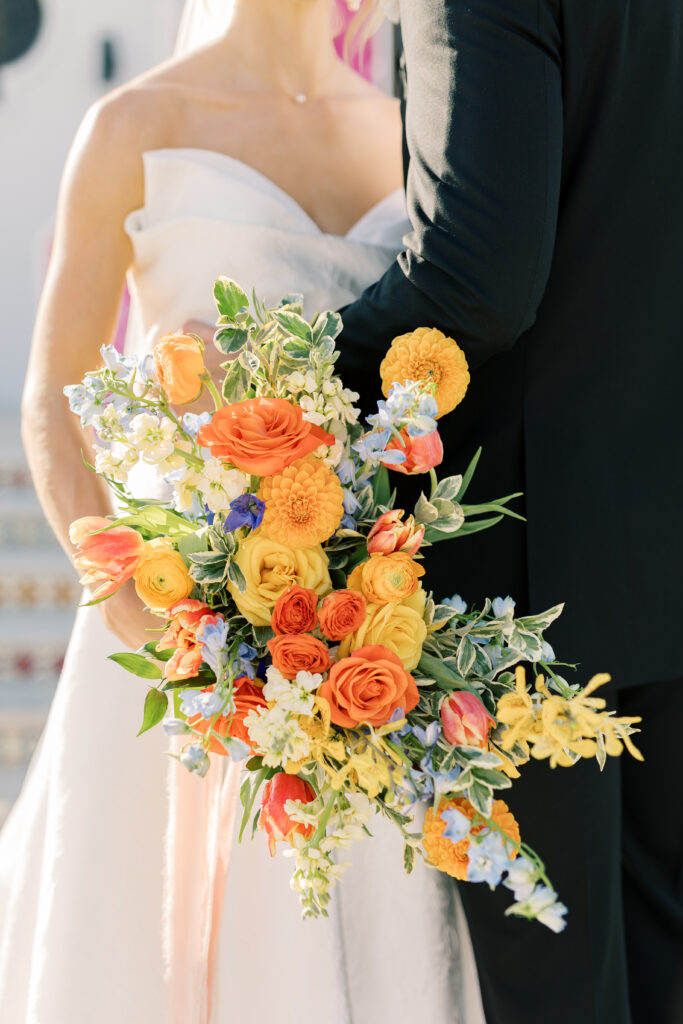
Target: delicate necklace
295	97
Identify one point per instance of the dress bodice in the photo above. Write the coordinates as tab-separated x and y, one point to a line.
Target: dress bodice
207	214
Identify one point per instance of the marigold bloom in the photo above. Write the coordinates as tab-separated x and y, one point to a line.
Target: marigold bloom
161	576
368	687
247	696
428	355
304	504
179	361
262	435
108	558
391	533
422	453
295	611
450	857
274	819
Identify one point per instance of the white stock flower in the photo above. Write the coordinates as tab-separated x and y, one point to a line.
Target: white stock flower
219	485
114	464
108	423
154	438
185	485
277	736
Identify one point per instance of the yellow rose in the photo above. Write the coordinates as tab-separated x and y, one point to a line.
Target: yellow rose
393	625
269	568
161	577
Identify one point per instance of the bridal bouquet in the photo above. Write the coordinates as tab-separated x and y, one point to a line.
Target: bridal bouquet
300	637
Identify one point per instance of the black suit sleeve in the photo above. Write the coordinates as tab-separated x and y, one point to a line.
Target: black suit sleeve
484	136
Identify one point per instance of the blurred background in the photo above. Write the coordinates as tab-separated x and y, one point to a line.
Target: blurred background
56	59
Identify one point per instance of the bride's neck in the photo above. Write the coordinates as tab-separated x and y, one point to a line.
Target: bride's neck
291	40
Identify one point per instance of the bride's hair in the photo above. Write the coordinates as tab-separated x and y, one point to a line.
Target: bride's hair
367	18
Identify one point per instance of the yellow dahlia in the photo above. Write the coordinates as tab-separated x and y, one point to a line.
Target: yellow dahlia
452	857
428	355
303	504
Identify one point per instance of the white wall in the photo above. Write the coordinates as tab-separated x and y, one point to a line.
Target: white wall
43	97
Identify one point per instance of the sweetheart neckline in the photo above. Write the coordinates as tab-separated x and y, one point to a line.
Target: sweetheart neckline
277	189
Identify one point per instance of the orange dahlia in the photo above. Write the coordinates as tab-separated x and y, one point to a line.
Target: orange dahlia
303	504
428	355
452	857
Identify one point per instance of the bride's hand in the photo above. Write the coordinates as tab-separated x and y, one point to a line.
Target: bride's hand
125	616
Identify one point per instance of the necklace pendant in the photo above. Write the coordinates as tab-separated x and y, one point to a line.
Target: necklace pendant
300	97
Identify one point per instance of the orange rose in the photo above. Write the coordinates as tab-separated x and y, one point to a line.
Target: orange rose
262	435
247	696
108	558
342	613
295	611
298	652
385	578
422	453
179	360
273	819
368	687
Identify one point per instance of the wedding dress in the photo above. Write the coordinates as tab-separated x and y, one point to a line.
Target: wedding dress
82	854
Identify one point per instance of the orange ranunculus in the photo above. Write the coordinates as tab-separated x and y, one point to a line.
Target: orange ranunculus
187	619
262	435
274	820
179	361
385	578
391	533
161	576
368	687
422	453
450	857
466	722
108	558
247	696
342	613
426	354
298	652
295	611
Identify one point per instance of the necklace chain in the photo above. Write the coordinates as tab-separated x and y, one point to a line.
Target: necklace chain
295	97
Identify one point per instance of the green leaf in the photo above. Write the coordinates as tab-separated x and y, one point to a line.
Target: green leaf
537	623
467	478
481	796
231	339
151	648
467	652
262	634
138	664
208	566
448	488
492	777
236	576
408	859
155	520
230	298
294	324
381	488
425	511
191	543
296	348
156	705
326	325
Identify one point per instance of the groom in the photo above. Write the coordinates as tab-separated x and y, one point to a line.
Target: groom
544	145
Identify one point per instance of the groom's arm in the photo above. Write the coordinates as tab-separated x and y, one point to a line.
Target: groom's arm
484	136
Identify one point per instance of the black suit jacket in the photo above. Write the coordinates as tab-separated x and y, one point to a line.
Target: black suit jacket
545	190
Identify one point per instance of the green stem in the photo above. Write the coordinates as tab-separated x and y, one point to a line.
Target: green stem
213	391
434	482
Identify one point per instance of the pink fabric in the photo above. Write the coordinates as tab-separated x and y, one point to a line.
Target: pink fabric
361	62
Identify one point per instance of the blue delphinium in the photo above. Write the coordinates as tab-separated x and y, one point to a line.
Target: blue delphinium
247	510
456	603
457	824
195	759
488	859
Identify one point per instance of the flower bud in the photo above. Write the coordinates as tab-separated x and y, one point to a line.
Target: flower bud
466	722
390	533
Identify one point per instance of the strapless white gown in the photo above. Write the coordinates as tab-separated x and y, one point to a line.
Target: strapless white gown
81	856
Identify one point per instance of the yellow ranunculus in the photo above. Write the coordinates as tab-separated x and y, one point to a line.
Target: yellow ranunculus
392	577
161	577
269	568
394	625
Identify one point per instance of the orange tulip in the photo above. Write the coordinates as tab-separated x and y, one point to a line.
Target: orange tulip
390	533
422	453
108	558
274	820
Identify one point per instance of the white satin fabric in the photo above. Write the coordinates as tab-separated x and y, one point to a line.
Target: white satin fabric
104	815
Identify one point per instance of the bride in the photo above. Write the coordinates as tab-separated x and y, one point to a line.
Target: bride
264	157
